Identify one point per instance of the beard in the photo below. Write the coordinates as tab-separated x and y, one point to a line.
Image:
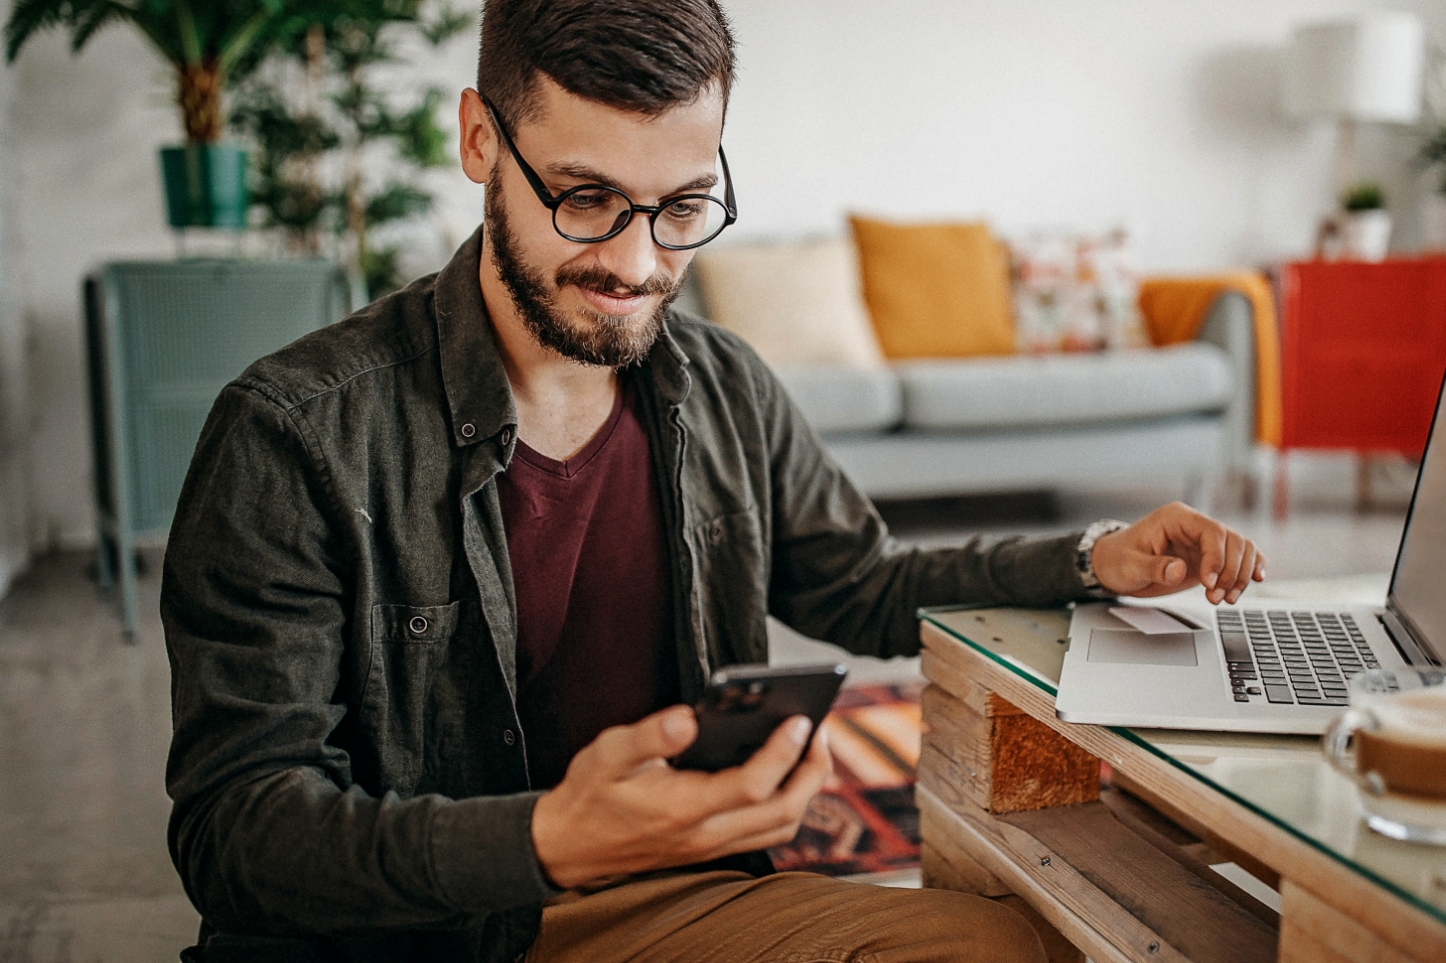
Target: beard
609	341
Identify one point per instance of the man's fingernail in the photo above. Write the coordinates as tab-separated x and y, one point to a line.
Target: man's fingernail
1212	578
677	725
798	731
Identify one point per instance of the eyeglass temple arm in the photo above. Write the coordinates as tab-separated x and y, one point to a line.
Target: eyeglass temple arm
730	203
535	182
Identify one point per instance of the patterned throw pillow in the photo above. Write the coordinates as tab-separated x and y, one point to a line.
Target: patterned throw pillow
1076	293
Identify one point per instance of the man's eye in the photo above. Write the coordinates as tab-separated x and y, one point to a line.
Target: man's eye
589	200
684	210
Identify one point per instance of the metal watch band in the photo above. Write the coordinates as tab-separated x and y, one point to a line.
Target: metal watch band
1084	552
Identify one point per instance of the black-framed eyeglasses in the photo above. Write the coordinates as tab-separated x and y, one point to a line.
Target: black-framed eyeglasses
590	213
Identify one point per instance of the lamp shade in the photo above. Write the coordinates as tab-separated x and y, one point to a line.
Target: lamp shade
1365	69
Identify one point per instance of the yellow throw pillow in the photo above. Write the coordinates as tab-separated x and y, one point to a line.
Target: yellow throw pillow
935	290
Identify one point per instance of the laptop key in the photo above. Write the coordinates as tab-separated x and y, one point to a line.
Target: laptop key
1241	697
1278	693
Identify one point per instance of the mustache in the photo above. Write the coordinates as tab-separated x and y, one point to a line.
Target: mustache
604	281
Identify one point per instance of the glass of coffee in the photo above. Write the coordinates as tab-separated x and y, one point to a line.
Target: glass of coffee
1397	723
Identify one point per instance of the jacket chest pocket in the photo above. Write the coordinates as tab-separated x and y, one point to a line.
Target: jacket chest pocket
410	647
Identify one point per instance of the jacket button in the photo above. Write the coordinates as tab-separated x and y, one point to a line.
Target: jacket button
715	532
505	437
468	430
509	737
418	625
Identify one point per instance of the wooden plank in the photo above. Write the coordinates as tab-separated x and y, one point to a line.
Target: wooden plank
1154	888
1184	794
1166	837
1231	852
955	862
1314	923
957	871
1298	946
1005	761
1087	917
940	872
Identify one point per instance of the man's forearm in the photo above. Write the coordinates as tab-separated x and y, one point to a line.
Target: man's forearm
293	854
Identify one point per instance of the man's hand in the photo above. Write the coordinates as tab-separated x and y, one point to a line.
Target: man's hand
1173	548
622	809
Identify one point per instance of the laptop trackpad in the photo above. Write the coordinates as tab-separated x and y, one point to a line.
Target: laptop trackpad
1130	646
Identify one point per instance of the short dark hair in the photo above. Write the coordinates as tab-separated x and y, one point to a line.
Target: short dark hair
639	55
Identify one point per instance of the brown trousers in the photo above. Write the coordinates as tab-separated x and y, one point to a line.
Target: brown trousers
731	917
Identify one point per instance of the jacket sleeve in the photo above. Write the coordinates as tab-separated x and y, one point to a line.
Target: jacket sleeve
268	831
838	575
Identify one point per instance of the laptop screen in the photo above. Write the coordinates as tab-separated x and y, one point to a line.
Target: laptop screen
1417	594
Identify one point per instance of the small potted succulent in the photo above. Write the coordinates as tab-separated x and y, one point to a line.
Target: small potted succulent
205	41
1365	222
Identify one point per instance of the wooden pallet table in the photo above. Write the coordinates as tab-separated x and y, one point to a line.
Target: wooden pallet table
1011	802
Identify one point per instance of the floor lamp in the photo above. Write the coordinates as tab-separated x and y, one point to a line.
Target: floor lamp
1364	70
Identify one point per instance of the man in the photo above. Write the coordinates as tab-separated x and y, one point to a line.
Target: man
444	576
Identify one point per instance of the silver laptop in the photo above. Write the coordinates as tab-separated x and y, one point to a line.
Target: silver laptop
1267	665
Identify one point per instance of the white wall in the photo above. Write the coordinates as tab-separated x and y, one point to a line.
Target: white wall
1158	115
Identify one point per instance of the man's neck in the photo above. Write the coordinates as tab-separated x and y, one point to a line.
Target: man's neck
560	403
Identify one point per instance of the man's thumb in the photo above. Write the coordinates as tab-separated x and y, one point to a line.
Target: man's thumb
663	734
1166	569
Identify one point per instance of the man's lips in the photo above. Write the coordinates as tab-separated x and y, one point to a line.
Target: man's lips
612	303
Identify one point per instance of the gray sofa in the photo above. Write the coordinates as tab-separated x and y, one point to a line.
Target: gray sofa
981	425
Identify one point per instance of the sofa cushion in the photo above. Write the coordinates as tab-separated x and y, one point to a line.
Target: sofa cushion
842	398
1041	390
935	290
795	303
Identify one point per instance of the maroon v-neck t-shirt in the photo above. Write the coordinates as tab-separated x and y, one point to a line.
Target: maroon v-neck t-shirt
589	566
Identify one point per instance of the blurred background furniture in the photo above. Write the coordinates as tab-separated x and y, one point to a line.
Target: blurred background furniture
1363	350
1001	419
162	339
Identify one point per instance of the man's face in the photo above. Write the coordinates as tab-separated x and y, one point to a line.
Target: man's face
601	303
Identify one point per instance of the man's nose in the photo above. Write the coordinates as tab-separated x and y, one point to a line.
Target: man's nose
631	255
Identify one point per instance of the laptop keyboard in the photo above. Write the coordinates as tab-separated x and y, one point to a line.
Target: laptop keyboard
1292	657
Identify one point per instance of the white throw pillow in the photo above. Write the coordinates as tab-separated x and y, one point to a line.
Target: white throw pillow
797	303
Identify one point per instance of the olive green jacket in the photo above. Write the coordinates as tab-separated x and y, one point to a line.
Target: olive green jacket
347	767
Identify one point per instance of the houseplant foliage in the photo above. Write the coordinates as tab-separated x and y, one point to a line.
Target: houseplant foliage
206	42
338	153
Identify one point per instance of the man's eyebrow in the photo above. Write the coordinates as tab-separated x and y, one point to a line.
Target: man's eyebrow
591	175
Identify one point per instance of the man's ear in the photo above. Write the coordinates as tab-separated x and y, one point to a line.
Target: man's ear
479	142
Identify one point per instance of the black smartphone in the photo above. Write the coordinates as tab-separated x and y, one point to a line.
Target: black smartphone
743	704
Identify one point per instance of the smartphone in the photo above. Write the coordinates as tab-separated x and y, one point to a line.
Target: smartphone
744	704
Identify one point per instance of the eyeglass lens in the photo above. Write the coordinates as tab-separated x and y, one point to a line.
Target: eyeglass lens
593	213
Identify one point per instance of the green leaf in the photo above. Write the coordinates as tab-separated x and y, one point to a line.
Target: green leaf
397	201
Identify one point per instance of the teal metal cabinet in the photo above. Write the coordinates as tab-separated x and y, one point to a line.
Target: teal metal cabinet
163	339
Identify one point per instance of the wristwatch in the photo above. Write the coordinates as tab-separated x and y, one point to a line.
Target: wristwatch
1084	552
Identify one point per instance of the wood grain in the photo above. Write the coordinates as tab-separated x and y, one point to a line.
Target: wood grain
1088	918
948	662
1001	758
1316	923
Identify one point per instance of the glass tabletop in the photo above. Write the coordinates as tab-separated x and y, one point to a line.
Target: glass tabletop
1282	778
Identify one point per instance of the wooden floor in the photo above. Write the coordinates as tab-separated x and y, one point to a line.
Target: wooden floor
85	721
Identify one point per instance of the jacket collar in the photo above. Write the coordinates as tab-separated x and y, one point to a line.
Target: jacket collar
478	393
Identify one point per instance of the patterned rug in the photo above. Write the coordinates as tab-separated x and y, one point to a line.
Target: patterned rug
864	820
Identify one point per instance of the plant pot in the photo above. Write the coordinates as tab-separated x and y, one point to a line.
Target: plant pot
205	185
1366	235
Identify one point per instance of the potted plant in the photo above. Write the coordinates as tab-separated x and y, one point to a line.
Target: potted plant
1365	223
339	154
205	42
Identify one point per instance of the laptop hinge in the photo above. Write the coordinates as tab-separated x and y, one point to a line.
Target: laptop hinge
1410	651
